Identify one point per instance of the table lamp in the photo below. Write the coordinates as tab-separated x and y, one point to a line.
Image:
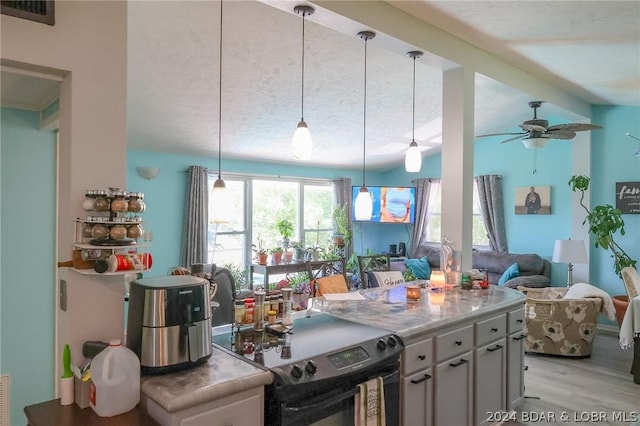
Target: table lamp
570	252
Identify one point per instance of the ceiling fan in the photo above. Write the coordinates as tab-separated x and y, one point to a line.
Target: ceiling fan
537	131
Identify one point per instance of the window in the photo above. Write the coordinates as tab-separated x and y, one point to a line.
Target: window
256	204
434	225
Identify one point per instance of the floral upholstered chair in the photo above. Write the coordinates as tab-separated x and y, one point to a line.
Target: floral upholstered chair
559	326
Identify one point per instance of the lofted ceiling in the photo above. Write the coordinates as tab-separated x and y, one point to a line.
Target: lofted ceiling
589	49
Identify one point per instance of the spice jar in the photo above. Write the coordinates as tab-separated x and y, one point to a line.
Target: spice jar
87	203
86	230
287	306
271	315
101	202
238	312
136	205
258	310
99	231
134	231
118	232
119	204
248	310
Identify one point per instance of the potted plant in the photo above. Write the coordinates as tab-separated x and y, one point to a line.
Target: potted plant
298	251
285	228
276	255
260	251
342	231
604	222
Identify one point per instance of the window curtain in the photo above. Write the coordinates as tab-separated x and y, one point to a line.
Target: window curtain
419	235
492	208
342	195
194	225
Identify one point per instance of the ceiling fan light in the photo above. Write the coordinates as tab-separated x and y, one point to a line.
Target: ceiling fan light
302	143
413	158
363	208
533	143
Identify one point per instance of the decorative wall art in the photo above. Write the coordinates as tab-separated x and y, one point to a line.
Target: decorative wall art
628	197
533	200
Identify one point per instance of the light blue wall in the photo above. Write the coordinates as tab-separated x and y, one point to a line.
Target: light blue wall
27	264
613	161
165	195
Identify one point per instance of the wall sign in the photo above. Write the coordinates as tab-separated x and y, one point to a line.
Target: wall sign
628	197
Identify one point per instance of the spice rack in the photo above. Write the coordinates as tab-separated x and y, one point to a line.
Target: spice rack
112	226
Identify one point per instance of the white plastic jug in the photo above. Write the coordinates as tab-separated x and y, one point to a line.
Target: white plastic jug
115	376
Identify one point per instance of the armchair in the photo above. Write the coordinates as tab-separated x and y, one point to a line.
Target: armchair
559	326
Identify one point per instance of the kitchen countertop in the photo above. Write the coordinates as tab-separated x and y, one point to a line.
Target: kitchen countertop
388	308
222	375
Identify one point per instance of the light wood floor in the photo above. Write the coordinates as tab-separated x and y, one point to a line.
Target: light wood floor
573	388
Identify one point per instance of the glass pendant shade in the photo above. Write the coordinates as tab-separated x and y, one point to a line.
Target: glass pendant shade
302	143
413	158
363	207
220	204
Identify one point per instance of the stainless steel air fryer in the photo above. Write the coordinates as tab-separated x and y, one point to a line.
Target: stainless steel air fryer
169	322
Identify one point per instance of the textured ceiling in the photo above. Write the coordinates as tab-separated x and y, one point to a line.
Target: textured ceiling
589	49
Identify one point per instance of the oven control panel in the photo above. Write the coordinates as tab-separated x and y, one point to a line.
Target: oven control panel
345	361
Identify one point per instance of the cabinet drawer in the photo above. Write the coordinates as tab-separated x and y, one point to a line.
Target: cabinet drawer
418	356
491	329
453	343
515	320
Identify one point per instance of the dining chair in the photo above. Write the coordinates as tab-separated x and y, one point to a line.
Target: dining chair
373	263
327	276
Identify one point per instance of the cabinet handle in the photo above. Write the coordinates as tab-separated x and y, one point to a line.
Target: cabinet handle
520	337
494	329
458	342
519	321
495	348
422	379
422	357
459	363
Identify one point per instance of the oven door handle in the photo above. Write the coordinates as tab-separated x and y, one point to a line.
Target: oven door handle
340	397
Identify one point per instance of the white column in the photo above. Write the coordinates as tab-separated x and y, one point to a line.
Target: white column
457	160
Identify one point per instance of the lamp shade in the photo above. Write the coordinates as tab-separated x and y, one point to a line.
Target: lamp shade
569	251
302	143
413	158
363	207
148	172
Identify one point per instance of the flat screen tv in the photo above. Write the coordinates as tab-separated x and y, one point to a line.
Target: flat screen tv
391	204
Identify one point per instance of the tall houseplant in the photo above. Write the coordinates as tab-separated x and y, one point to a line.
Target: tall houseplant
604	222
341	223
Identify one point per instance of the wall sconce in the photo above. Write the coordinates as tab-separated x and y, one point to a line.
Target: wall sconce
148	173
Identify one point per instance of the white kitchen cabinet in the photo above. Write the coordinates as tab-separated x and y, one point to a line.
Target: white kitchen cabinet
417	384
417	391
240	409
490	380
453	391
515	358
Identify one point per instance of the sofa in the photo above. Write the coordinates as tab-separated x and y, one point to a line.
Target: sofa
535	272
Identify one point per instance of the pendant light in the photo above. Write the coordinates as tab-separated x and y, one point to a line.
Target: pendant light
413	157
364	204
302	143
218	194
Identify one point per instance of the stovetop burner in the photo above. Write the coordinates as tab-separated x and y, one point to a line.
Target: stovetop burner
317	346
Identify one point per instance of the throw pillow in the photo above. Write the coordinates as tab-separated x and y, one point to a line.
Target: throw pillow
384	278
512	271
420	267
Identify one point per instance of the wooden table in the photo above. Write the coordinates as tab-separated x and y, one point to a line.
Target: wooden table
51	413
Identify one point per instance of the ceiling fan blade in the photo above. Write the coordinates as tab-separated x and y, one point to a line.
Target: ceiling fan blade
560	134
574	127
500	134
516	138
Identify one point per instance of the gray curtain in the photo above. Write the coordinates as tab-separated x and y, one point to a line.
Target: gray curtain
342	195
492	208
195	223
419	235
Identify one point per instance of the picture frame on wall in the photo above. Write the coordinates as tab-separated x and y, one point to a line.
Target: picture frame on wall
628	197
533	200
